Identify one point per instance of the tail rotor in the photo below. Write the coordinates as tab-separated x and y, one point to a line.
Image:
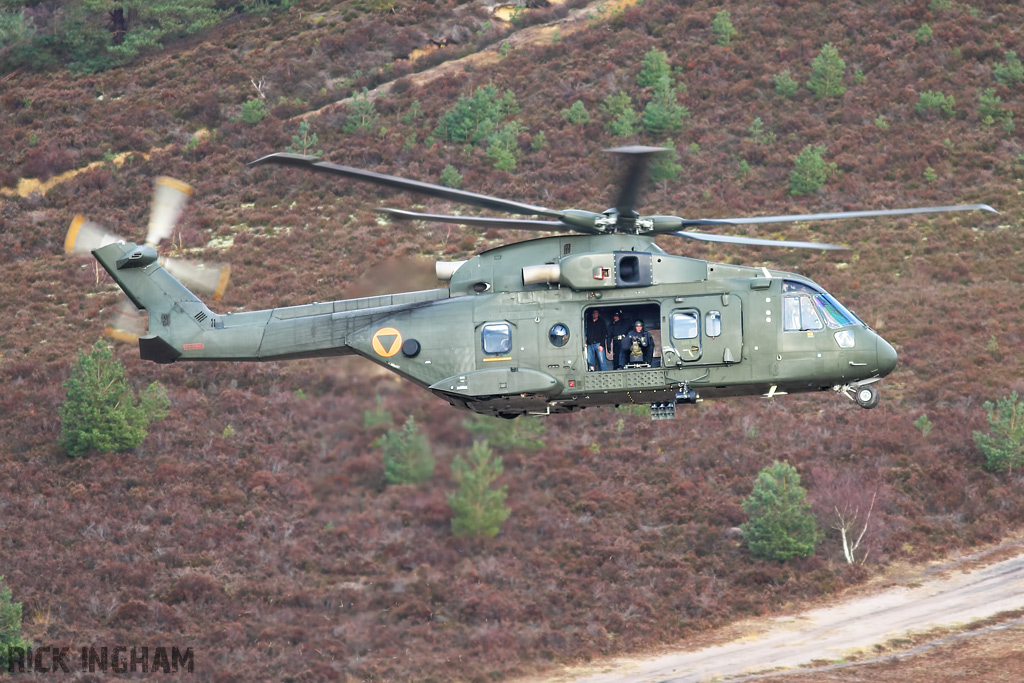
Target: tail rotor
170	197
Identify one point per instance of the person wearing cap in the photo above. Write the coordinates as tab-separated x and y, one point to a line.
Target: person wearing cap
596	333
637	346
616	333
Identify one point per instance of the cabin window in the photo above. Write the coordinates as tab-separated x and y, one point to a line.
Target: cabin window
497	338
713	323
558	335
685	325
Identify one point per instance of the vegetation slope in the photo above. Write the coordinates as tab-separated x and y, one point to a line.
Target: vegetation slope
255	525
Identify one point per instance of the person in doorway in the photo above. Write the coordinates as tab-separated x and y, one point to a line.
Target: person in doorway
616	333
596	334
637	346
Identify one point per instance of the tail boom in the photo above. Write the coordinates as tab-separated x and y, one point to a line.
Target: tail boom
182	327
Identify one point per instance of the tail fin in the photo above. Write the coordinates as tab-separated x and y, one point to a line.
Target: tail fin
138	272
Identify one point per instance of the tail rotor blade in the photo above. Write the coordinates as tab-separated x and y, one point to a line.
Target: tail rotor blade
127	323
85	235
203	278
169	199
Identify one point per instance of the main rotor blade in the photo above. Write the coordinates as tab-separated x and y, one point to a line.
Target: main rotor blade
753	220
485	222
472	198
757	242
639	157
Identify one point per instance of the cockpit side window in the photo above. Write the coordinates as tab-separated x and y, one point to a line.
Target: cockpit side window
799	313
805	306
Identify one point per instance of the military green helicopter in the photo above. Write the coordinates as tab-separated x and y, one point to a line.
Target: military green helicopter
508	334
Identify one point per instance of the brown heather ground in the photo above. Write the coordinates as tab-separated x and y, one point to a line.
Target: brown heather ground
277	551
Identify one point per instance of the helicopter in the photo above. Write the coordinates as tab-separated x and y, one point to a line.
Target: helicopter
507	333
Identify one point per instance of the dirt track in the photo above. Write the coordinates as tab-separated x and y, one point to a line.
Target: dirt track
947	596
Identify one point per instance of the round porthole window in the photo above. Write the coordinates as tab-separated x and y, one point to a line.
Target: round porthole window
559	335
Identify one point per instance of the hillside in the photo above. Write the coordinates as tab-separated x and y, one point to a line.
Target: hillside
254	523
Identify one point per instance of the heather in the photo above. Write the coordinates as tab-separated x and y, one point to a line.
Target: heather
257	523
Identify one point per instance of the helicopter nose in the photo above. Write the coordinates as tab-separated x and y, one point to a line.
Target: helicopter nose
886	357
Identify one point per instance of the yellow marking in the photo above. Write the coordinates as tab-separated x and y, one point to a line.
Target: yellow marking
386	335
181	187
488	360
222	283
69	241
121	335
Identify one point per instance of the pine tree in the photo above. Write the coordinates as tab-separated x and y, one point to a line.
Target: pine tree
663	115
1003	446
665	165
827	73
10	622
810	171
305	142
479	509
474	117
624	120
524	434
406	454
722	27
364	116
100	411
653	69
450	177
781	525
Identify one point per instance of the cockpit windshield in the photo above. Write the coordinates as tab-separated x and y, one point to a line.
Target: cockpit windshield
805	307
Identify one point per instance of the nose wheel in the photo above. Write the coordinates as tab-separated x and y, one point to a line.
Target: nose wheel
864	395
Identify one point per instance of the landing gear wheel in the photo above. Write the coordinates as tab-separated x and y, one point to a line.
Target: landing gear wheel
866	396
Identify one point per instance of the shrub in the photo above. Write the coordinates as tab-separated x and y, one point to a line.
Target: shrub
406	454
931	101
479	509
254	111
781	525
100	411
1003	446
827	73
1011	70
786	85
577	113
990	109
